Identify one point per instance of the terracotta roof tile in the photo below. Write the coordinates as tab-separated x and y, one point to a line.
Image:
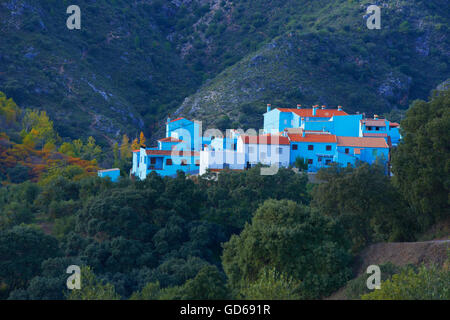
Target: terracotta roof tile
322	113
362	142
325	138
265	139
374	122
170	139
379	135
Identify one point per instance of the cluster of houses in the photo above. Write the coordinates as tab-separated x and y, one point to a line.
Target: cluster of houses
318	135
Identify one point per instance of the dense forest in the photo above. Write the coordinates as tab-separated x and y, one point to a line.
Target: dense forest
240	236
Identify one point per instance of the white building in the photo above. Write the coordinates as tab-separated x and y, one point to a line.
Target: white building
268	149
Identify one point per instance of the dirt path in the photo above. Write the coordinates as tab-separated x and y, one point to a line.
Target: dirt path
403	253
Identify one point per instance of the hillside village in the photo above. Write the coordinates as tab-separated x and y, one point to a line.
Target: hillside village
316	137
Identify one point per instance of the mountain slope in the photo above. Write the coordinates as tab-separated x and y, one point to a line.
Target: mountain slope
134	63
335	60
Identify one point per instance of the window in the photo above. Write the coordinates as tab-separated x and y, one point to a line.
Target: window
152	160
183	162
197	162
310	161
328	148
310	147
349	164
377	128
279	151
294	147
320	159
168	162
327	162
347	150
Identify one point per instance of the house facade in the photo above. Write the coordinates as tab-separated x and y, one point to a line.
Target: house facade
319	135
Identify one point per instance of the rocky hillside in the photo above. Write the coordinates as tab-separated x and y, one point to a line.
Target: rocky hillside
332	58
134	63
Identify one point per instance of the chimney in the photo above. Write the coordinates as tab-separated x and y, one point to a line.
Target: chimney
323	107
339	108
314	110
375	116
268	107
299	106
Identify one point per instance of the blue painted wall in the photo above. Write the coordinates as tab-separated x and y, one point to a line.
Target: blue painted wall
113	175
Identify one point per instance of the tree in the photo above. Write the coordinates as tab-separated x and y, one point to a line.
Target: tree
271	285
142	139
135	145
151	291
125	149
288	237
421	163
93	288
116	155
22	250
91	151
67	148
366	202
301	164
208	284
425	284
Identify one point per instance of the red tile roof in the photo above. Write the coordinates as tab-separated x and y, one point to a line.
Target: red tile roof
136	150
326	138
170	139
265	139
362	142
322	113
394	124
374	122
370	134
172	152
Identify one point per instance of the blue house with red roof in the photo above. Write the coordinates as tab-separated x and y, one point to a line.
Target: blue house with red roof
319	135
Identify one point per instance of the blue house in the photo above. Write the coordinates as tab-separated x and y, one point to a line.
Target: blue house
317	148
278	119
319	135
380	128
179	150
112	174
350	150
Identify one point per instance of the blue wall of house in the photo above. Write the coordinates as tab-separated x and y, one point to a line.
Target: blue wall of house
369	155
113	175
165	169
319	151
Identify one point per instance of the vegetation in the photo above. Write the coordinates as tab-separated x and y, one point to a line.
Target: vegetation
426	283
421	164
